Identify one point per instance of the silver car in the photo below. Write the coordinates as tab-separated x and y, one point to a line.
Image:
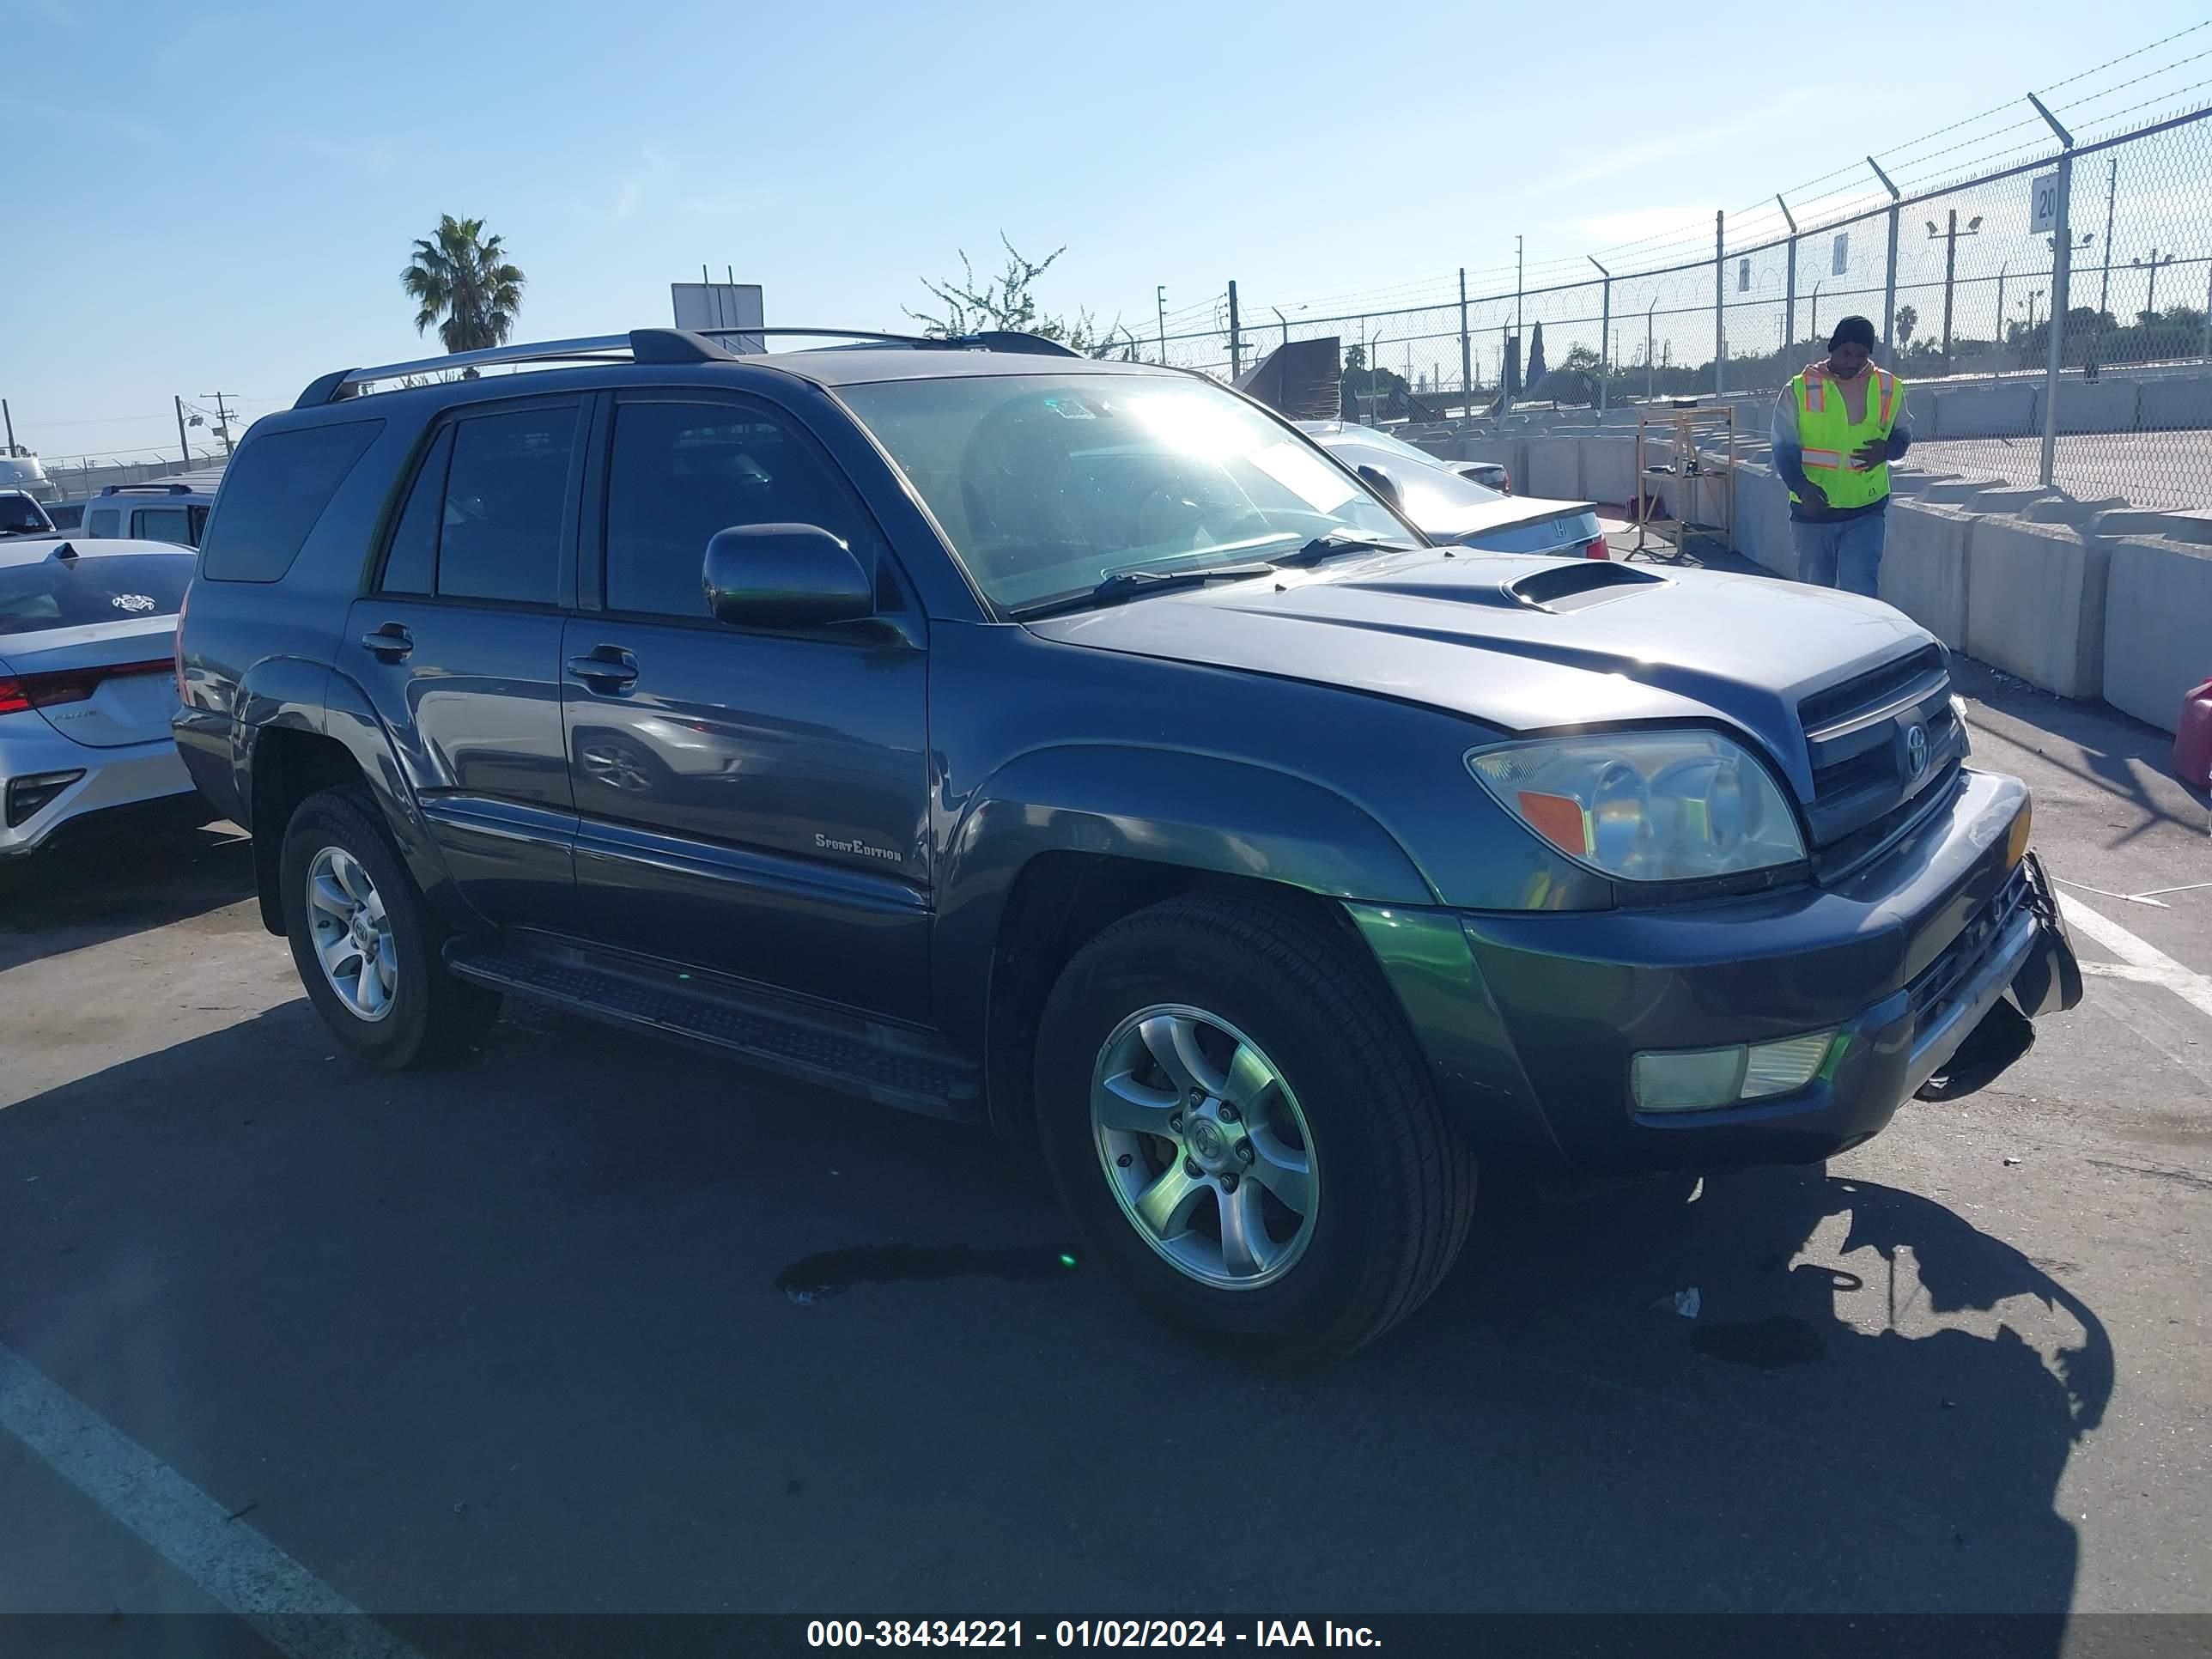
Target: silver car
1447	506
87	681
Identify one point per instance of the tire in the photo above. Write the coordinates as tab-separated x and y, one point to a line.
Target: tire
403	1009
1389	1185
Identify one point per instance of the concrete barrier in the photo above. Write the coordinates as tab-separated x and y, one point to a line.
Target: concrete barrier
2192	527
1983	411
1508	453
1608	469
1924	568
2097	405
2182	403
1555	469
2157	598
2036	603
1762	521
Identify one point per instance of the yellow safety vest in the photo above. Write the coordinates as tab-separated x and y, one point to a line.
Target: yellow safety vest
1830	438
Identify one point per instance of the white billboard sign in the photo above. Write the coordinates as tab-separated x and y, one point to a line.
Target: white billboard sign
720	305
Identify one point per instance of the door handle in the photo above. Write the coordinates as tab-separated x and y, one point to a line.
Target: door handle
388	643
607	668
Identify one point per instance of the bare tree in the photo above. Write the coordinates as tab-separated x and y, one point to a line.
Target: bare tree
1008	302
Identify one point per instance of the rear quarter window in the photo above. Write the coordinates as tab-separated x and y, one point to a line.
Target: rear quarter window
272	495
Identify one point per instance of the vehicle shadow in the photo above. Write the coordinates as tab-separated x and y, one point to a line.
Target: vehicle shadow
105	883
510	1336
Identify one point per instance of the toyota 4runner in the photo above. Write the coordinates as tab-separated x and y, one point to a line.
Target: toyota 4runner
1075	748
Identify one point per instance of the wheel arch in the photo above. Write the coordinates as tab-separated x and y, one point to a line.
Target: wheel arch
1066	841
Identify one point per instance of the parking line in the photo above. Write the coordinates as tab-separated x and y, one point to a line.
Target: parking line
2158	967
291	1608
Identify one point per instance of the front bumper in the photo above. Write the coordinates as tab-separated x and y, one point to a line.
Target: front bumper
113	779
1531	1023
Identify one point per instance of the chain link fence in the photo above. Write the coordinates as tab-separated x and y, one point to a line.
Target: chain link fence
1962	280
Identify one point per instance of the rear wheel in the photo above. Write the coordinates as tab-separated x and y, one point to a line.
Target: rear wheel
366	943
1238	1119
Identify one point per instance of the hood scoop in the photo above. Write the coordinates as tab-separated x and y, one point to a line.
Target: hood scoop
1582	584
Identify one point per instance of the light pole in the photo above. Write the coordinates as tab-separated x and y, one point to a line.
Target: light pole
1816	310
2002	342
2150	301
1949	237
2033	295
1651	357
1283	320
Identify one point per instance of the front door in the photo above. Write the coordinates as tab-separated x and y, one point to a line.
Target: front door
750	802
459	649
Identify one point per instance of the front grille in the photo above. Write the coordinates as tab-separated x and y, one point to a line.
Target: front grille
1859	738
1936	987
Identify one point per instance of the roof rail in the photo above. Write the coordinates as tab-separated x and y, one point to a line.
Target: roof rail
150	488
657	345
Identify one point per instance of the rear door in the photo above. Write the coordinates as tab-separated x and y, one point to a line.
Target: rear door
459	647
749	801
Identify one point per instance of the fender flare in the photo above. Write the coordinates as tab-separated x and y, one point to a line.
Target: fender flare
1191	811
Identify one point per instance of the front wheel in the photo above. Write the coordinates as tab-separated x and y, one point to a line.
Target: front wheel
1236	1116
366	943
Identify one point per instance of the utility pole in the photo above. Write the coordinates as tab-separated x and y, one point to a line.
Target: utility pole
1505	375
1466	352
2105	284
1160	293
1817	287
1650	359
1236	340
2062	271
1790	287
1950	237
2002	342
1283	320
223	418
184	444
1604	334
1720	296
7	419
1889	282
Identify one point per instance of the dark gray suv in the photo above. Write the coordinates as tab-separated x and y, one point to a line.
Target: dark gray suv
1075	748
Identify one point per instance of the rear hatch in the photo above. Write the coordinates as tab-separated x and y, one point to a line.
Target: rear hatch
89	643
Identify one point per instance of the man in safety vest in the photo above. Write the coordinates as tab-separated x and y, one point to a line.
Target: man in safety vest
1837	427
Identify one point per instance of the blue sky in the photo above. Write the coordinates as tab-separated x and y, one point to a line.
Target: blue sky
227	193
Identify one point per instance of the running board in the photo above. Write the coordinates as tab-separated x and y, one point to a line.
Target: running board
890	1064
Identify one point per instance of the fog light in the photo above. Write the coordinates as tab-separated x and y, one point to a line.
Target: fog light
1701	1080
26	796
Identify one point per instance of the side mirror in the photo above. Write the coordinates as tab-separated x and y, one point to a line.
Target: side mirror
1381	484
785	576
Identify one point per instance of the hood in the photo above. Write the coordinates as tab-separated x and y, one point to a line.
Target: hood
1526	644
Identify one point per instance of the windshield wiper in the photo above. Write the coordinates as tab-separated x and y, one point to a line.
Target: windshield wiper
1133	584
1339	541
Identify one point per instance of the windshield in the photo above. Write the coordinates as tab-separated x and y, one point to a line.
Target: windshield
77	593
20	514
1045	485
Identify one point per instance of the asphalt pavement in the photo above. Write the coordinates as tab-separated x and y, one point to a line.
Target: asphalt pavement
549	1330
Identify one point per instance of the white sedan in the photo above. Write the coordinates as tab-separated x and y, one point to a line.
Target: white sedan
87	682
1447	505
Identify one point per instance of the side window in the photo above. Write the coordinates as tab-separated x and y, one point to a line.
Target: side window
161	524
411	566
506	493
275	493
198	525
105	523
681	472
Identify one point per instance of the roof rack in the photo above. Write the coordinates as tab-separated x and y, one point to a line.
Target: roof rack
659	345
149	489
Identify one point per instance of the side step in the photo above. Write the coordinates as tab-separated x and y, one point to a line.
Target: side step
888	1064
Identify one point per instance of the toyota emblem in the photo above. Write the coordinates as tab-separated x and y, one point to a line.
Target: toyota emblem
1916	749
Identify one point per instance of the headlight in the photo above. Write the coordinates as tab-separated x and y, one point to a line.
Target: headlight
1646	806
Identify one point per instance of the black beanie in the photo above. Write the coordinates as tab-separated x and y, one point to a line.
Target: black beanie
1852	330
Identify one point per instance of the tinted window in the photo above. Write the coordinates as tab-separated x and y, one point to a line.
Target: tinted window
411	564
272	495
505	489
18	513
162	524
106	522
682	471
77	592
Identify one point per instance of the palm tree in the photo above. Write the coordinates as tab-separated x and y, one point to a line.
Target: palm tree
462	276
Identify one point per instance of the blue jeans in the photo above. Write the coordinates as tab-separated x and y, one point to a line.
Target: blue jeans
1846	554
